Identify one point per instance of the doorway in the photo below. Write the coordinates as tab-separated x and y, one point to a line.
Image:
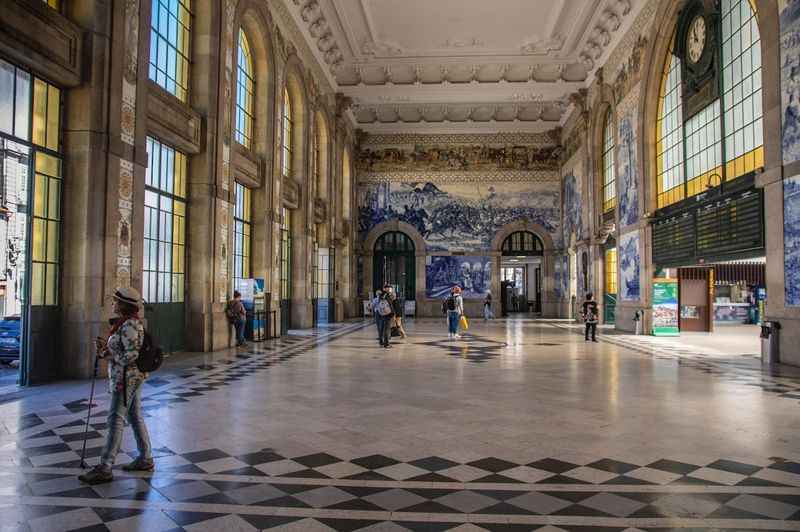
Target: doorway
324	273
394	263
521	273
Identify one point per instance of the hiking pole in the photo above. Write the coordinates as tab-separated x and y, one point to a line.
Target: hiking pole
89	412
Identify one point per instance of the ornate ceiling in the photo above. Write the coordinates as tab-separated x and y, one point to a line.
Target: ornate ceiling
426	66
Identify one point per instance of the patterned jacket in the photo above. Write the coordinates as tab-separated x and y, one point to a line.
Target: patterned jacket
123	350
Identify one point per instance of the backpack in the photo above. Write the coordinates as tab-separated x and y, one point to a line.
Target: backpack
150	355
451	303
384	307
230	311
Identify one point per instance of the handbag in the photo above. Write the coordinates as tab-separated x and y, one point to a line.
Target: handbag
464	323
395	331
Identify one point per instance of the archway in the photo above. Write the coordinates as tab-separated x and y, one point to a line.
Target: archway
394	263
521	272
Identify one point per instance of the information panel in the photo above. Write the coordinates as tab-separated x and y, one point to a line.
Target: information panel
665	307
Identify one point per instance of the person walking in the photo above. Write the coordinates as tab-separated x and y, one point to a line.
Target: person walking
125	385
455	309
385	315
589	312
487	307
237	315
397	307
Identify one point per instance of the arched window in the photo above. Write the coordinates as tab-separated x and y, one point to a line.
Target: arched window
394	241
242	232
609	171
522	243
170	28
245	90
286	157
725	140
346	184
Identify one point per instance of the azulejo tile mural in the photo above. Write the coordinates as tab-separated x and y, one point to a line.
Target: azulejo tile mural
790	79
791	240
459	216
473	274
565	275
573	216
628	188
629	267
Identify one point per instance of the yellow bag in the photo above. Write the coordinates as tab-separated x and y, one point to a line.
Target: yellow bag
464	323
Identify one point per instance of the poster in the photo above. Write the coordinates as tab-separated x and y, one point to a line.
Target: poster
665	307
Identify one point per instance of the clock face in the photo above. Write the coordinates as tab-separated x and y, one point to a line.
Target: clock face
696	39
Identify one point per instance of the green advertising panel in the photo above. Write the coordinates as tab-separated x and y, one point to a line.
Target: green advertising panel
665	307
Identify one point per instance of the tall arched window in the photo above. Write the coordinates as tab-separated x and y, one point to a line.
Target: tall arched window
286	151
170	28
609	171
725	140
245	90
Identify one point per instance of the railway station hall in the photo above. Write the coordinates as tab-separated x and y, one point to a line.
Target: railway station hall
399	265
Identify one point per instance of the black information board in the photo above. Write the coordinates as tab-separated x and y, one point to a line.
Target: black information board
723	228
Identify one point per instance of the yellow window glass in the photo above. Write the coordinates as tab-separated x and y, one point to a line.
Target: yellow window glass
611	271
46	233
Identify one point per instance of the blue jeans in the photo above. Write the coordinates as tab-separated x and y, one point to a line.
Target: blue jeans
238	325
453	318
383	329
117	412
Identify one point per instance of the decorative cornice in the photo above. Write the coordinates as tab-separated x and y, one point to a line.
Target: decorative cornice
548	138
313	16
461	177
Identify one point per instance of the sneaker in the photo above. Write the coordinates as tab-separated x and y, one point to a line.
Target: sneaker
139	464
457	336
594	340
98	475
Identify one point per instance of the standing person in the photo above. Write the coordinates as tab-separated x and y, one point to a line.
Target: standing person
589	312
397	307
125	385
385	315
455	309
373	305
237	315
487	307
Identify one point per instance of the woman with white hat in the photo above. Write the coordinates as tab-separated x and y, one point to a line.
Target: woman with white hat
125	386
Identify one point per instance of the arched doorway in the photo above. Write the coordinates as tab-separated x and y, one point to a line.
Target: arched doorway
521	272
394	263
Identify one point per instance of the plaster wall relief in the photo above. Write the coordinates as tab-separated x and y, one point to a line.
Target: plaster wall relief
629	265
125	210
791	240
127	135
790	79
223	251
627	160
621	58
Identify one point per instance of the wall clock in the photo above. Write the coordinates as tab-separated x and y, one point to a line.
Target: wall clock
697	46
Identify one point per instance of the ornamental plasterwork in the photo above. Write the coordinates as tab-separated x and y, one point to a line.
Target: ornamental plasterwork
283	19
467	158
641	25
601	33
460	177
547	138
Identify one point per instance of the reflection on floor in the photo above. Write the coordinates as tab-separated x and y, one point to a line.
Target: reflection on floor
521	425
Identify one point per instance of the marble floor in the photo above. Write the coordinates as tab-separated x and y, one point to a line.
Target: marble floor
520	425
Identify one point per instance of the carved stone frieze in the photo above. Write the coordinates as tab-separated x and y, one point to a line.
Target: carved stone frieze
630	73
460	177
463	158
320	210
290	193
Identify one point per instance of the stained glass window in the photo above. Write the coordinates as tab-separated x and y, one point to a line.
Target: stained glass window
725	140
245	91
609	171
164	252
170	29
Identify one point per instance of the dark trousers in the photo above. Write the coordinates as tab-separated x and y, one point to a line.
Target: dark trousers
239	326
591	327
384	329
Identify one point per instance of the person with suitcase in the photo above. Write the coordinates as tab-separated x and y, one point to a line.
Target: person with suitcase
385	316
455	310
125	380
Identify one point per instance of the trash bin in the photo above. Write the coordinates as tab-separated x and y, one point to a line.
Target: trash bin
770	351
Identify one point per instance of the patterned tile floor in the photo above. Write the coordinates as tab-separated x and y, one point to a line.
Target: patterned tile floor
519	426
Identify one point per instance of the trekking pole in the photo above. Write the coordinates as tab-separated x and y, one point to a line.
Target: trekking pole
89	412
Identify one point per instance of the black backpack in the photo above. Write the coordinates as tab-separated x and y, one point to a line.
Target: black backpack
150	355
451	303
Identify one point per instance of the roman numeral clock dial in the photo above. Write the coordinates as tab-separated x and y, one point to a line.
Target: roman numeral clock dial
696	39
